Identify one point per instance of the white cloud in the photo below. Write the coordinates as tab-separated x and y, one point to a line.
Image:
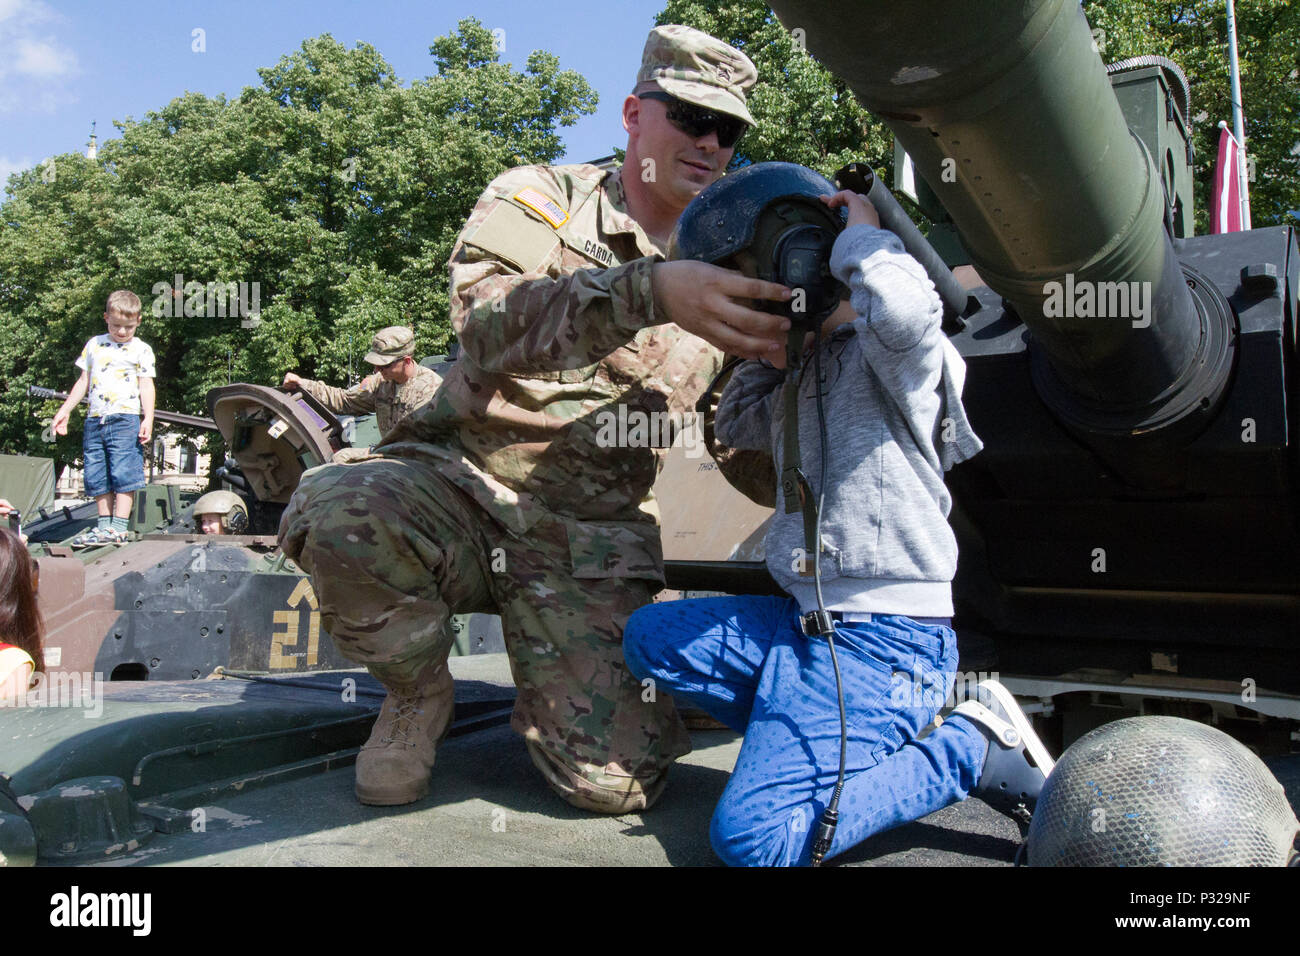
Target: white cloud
43	58
25	12
35	64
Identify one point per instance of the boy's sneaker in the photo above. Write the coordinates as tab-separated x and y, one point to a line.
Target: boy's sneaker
1017	764
96	536
89	537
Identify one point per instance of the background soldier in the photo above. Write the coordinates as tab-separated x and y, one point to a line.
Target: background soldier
399	386
497	495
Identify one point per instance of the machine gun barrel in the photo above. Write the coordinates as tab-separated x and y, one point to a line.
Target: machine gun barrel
160	415
862	179
1007	112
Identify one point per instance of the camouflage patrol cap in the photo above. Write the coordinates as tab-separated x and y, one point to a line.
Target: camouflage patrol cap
698	68
391	344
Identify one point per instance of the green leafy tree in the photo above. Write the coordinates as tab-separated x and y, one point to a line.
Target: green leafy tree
805	114
332	192
1195	36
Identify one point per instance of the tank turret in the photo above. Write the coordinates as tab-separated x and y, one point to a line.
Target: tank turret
1134	508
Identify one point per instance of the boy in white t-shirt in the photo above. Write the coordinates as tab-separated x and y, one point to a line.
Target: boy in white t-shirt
117	370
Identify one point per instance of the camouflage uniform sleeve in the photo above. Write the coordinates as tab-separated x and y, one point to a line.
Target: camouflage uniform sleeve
428	382
357	400
415	394
516	311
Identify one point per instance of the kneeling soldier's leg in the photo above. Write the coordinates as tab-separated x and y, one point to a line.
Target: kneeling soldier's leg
602	739
391	548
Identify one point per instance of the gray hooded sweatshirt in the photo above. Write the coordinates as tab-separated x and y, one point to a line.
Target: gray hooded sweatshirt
892	396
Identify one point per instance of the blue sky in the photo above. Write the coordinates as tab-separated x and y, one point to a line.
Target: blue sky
64	63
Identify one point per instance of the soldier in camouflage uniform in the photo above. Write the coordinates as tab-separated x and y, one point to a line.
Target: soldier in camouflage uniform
398	387
500	496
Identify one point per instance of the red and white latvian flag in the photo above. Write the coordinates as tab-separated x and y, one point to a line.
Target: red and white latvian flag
1225	198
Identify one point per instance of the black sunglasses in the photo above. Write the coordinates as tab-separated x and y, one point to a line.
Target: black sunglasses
696	121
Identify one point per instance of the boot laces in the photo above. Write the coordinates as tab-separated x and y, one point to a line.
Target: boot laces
405	711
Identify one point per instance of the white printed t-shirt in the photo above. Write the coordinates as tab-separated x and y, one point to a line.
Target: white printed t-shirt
115	370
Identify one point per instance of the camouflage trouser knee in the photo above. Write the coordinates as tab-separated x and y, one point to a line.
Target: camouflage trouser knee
387	564
393	549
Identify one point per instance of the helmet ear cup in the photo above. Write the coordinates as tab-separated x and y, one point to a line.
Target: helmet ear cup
235	521
769	221
801	260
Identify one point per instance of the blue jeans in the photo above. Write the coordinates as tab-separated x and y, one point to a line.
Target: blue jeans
114	459
745	661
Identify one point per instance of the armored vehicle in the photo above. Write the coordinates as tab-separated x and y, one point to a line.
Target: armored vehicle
1128	536
176	604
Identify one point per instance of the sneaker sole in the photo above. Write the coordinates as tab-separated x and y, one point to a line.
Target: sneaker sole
1012	713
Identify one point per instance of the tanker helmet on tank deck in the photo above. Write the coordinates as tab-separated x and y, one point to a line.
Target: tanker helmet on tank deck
1161	791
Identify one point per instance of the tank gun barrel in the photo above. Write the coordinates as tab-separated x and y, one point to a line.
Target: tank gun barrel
1007	112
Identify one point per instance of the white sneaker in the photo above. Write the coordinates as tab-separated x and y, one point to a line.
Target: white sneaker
1017	764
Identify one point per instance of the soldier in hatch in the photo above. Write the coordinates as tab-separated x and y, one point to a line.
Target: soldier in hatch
398	387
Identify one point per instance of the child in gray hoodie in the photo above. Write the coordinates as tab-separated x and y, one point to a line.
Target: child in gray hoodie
891	392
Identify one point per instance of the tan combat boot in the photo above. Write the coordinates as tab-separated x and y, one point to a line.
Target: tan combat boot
393	765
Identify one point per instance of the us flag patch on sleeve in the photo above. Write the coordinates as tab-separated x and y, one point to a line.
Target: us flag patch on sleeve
543	205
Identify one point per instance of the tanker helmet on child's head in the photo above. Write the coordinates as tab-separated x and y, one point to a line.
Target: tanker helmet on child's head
768	220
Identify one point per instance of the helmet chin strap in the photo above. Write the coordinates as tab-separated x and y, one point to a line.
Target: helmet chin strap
794	484
800	260
798	494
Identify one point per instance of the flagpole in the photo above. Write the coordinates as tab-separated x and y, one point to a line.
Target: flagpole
1238	118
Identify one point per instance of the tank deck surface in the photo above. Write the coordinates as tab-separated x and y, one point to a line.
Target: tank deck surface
485	780
489	807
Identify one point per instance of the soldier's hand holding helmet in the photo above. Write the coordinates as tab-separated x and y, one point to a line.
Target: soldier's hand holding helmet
713	303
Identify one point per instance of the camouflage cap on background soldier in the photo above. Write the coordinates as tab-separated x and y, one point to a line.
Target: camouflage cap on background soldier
391	344
699	69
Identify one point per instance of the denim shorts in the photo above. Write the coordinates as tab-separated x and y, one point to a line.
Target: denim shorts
114	456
